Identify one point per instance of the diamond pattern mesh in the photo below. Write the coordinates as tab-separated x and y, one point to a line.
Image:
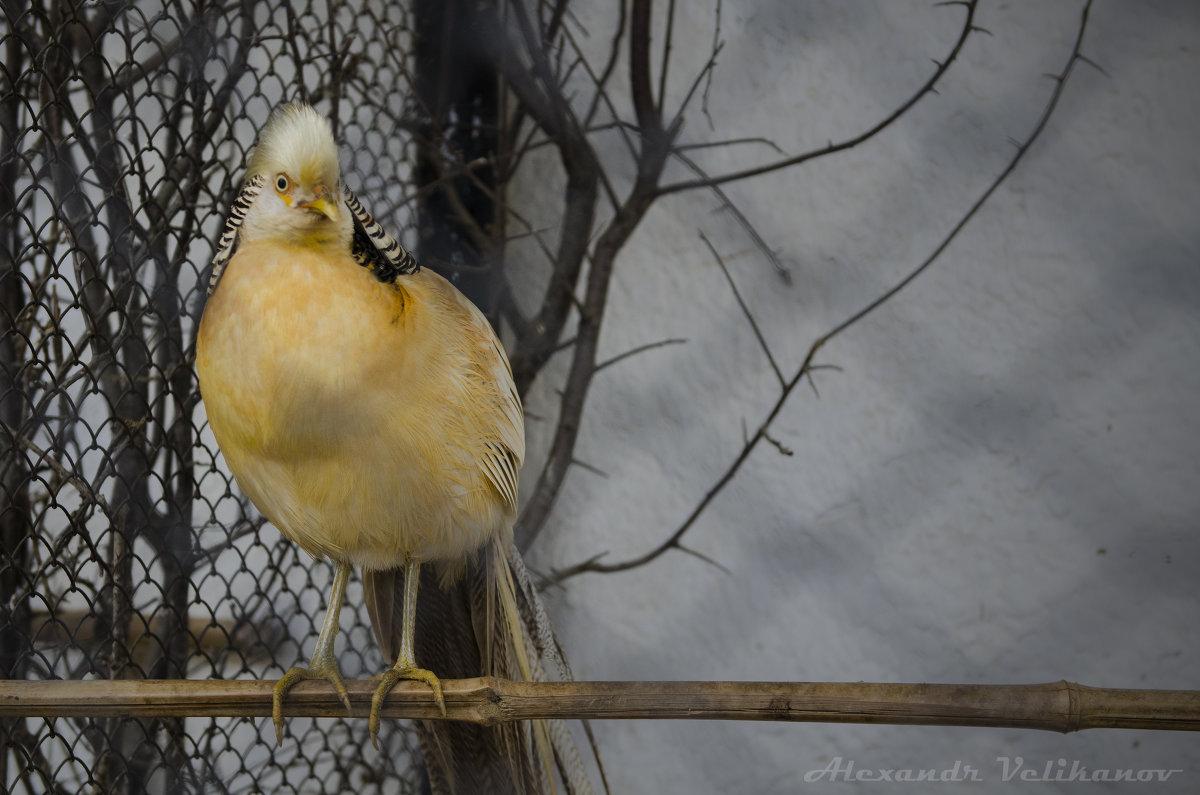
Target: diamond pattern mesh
126	551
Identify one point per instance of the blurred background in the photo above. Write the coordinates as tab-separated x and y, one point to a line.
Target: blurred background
989	477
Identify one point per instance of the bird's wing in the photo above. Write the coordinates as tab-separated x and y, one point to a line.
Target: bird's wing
502	457
233	225
504	451
375	249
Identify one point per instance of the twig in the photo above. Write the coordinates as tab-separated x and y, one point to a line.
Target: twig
716	45
927	88
595	470
664	68
749	228
610	66
758	140
780	446
762	341
649	346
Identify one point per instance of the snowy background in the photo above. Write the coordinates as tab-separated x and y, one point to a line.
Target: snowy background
1000	485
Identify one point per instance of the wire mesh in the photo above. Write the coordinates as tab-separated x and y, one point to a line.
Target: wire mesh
126	551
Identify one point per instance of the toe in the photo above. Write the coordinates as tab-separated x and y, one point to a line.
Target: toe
285	683
388	680
316	670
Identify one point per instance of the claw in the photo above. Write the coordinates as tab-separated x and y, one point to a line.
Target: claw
388	680
317	669
323	664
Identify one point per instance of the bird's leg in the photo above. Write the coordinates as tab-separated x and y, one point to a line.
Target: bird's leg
406	663
323	664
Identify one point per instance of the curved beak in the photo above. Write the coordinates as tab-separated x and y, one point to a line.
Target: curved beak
322	204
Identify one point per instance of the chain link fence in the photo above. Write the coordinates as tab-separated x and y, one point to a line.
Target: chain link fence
126	550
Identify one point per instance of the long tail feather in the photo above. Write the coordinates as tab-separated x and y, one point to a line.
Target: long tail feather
488	621
517	636
538	627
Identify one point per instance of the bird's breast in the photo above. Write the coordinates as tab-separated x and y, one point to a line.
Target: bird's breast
338	405
292	342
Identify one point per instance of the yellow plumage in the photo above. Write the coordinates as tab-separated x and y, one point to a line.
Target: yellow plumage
371	423
371	418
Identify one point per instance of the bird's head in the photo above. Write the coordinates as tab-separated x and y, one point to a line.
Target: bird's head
301	199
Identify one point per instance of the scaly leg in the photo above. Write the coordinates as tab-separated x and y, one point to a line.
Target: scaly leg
324	664
406	664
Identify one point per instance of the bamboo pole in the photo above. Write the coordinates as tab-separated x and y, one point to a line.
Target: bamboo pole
1056	706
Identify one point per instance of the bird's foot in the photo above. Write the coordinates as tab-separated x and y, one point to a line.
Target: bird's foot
318	668
388	680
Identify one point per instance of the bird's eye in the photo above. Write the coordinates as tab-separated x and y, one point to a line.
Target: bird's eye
281	183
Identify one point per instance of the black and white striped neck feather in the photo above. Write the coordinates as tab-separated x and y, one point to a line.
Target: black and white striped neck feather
371	246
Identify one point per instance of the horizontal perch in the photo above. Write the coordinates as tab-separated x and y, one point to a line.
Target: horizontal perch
1056	706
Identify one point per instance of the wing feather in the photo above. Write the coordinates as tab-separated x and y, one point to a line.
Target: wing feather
375	249
505	452
233	225
500	466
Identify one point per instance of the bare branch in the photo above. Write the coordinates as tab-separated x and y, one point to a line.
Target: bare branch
701	556
728	142
593	469
668	38
783	450
655	145
925	89
740	217
1022	148
537	91
716	45
639	349
762	342
609	67
649	115
703	77
808	365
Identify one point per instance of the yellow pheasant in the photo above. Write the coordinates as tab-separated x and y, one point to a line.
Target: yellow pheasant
363	404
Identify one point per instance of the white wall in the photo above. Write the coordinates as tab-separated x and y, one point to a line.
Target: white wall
999	486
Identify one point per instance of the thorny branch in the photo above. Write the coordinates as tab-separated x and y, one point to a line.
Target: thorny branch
651	140
943	66
654	147
806	368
